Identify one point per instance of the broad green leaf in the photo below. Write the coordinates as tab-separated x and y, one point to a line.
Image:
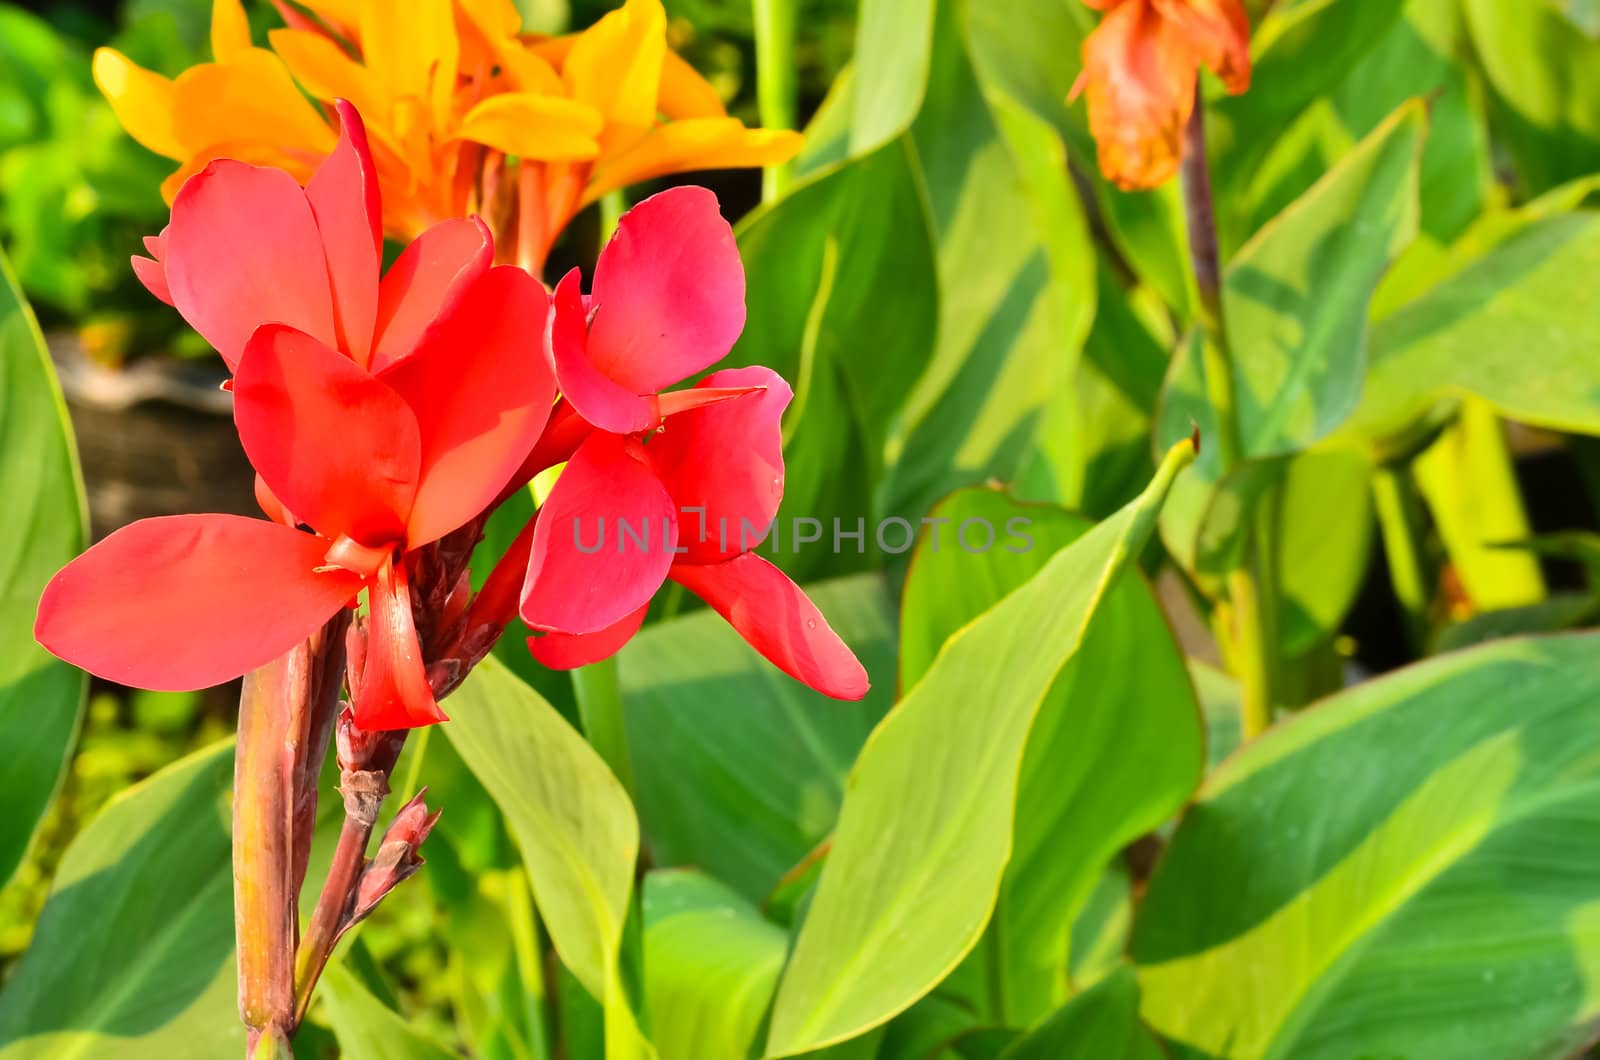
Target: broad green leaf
894	42
1013	310
1408	872
1323	514
1102	1023
711	963
41	699
1546	81
740	768
1296	301
367	1028
570	817
133	954
1299	52
1513	328
1114	751
925	830
843	301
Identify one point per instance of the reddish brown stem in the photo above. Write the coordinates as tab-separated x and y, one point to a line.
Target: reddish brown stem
364	791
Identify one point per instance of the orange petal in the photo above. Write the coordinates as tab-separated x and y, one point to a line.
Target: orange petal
684	93
328	73
342	16
533	126
695	143
615	65
142	100
230	30
1139	75
1219	33
251	95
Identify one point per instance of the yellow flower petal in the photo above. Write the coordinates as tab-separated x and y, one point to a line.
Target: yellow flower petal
496	18
684	93
230	30
339	14
142	100
328	73
409	56
250	95
615	66
694	143
532	126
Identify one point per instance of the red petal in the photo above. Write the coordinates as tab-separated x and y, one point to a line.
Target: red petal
344	199
153	276
668	292
189	601
563	651
426	279
726	459
779	621
394	685
482	389
243	250
585	574
337	447
599	399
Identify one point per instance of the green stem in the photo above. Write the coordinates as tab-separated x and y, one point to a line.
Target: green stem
1254	646
523	920
1399	510
599	692
776	86
613	204
263	848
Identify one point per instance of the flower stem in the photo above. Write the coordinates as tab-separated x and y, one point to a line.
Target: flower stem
1253	642
776	87
263	849
364	791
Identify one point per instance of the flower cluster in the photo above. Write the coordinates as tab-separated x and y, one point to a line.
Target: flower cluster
387	414
1139	71
449	88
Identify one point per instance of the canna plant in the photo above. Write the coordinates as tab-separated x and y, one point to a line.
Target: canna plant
386	417
1124	381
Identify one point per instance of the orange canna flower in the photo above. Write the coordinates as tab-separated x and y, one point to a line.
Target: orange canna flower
450	90
1139	71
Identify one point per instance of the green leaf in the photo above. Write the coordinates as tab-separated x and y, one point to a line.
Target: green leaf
1296	301
842	264
1102	1023
1323	513
711	963
1408	872
1546	81
132	956
569	815
367	1028
1013	311
41	699
1529	295
1114	751
740	768
925	831
1300	52
894	42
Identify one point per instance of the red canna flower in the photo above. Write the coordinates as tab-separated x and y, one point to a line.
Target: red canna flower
381	414
680	485
1139	70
